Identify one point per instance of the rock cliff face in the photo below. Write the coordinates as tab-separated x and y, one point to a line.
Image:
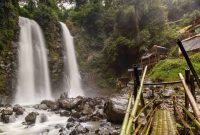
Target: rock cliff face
9	33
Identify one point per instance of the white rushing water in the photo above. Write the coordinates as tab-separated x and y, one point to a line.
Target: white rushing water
47	123
70	62
33	83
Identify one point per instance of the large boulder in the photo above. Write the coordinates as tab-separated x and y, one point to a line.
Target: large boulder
50	104
7	111
6	114
31	118
115	107
18	109
70	103
5	118
42	107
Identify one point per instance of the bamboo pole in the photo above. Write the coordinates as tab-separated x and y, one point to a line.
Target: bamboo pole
185	124
194	120
135	106
149	114
149	103
189	63
190	97
125	121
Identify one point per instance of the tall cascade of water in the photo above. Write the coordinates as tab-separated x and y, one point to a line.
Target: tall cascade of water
70	62
33	83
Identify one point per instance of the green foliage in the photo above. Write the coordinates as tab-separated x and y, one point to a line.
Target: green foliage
167	70
8	22
190	17
86	13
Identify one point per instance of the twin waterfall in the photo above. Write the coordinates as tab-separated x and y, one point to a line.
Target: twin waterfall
71	63
33	82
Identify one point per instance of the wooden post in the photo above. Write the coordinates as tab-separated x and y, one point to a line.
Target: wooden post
136	80
187	80
192	86
189	63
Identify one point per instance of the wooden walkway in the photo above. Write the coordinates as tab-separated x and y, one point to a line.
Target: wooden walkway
163	123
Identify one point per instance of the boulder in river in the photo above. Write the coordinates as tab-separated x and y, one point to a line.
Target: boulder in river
65	113
115	107
70	103
7	111
5	114
42	107
31	118
18	109
51	104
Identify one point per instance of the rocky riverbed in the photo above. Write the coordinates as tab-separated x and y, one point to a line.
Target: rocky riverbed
65	116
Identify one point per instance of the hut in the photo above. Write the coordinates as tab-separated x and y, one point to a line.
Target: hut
154	55
191	44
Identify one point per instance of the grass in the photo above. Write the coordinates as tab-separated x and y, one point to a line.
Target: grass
168	69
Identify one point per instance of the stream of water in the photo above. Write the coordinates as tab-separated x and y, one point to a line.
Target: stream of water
33	83
72	74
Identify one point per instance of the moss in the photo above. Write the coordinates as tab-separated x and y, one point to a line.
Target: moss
2	82
54	55
167	70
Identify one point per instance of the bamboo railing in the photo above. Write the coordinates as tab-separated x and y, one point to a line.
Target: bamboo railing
124	125
135	106
190	97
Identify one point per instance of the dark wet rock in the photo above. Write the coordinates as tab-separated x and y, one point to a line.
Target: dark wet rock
85	118
62	131
99	113
72	119
6	114
5	118
73	132
31	118
87	109
42	107
58	126
19	110
7	111
70	103
70	125
115	107
76	114
106	129
51	104
81	129
65	113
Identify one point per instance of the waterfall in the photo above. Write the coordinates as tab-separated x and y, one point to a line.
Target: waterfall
33	83
70	62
